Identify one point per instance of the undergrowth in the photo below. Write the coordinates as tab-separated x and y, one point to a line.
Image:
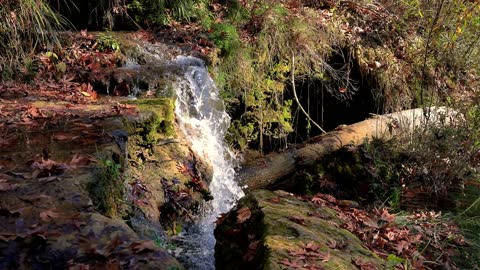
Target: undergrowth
26	26
108	189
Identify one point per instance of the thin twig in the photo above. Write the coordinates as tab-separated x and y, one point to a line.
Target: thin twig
298	101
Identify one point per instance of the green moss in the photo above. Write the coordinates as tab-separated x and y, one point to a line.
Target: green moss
108	190
157	121
272	224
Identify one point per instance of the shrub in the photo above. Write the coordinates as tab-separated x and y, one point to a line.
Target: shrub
225	37
163	11
108	190
25	26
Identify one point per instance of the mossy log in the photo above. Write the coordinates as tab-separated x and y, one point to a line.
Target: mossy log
264	171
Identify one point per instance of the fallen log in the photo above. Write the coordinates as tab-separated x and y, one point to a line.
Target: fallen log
266	170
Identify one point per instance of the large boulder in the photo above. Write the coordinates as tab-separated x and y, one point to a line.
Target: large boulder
276	230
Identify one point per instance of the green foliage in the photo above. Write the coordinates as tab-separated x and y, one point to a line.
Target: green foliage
108	190
107	43
448	49
257	73
25	26
164	11
437	160
393	261
225	37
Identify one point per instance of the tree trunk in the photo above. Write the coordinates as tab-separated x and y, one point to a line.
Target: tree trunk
266	170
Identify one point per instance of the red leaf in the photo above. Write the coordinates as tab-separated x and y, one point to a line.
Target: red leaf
4	186
297	219
142	246
293	264
243	214
402	245
363	265
220	219
311	246
252	251
386	216
49	215
274	200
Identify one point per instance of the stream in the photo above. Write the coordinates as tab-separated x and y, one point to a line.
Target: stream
202	118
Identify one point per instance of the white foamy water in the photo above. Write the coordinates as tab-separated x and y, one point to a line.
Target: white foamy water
202	118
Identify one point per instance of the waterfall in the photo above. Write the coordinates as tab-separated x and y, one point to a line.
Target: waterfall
202	118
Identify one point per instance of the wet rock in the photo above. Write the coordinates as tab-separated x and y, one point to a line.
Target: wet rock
270	230
50	219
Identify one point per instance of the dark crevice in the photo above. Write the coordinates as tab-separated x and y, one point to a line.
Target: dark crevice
331	103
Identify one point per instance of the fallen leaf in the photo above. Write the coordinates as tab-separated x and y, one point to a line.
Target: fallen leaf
6	237
400	246
220	219
294	264
387	216
48	215
318	200
252	251
79	266
325	257
4	186
114	243
332	244
363	265
64	137
274	200
79	161
297	219
311	246
142	246
243	214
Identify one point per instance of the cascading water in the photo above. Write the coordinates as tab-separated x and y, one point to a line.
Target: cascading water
202	118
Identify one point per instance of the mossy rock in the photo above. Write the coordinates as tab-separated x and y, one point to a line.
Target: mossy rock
282	223
155	121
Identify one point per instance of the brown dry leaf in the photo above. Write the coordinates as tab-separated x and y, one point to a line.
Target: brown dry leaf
87	91
332	244
7	141
298	253
243	214
64	137
387	216
363	265
183	168
400	246
220	219
274	200
318	200
126	106
297	219
294	264
113	265
252	251
48	215
114	243
4	186
79	161
325	257
142	246
79	266
326	197
370	223
6	237
311	246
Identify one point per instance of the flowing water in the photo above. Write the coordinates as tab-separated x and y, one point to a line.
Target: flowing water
202	118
